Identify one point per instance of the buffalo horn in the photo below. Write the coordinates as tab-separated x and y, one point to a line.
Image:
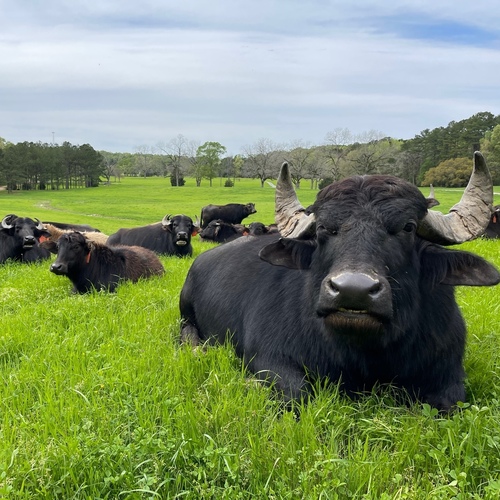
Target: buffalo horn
469	217
39	225
290	215
166	220
6	224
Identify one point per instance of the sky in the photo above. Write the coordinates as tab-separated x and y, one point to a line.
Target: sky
124	75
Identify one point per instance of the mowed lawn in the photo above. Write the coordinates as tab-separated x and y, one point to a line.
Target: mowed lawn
98	399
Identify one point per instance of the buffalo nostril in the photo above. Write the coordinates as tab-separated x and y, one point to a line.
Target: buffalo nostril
354	289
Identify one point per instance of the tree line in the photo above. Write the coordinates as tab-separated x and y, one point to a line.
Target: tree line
441	156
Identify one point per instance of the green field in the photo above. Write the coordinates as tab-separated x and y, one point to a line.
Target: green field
98	400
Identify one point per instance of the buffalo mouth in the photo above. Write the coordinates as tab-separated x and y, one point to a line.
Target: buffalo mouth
181	243
352	321
28	244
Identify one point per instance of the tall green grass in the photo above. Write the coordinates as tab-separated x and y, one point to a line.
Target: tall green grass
99	401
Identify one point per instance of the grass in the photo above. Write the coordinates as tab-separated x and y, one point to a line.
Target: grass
98	400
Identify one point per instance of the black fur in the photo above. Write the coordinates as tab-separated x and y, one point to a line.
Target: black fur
232	213
365	301
21	241
92	266
173	238
493	228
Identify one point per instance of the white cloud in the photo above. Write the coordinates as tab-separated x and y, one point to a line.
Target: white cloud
115	75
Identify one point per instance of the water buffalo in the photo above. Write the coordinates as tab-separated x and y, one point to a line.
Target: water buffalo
96	266
357	289
219	231
19	239
493	228
232	213
56	233
68	226
258	229
171	236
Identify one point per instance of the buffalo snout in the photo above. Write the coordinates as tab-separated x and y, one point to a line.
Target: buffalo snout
29	241
59	268
354	295
181	238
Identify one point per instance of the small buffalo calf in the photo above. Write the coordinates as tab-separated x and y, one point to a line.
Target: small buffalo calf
91	265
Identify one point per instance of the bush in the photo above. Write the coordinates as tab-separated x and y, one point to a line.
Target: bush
229	183
325	182
173	180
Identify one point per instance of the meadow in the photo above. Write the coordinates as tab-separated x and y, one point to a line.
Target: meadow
99	401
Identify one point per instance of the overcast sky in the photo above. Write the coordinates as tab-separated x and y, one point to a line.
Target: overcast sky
121	74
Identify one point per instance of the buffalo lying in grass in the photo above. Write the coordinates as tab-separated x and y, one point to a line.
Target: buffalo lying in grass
356	289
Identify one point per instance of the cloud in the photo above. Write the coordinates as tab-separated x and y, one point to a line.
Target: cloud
117	75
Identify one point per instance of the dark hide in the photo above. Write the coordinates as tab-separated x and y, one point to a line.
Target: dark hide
219	231
493	229
232	213
73	227
173	238
364	301
92	266
20	242
258	229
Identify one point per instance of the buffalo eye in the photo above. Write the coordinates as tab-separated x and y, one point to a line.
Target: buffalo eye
410	227
324	233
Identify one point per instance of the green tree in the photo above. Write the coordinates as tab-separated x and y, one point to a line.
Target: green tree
209	157
449	173
490	146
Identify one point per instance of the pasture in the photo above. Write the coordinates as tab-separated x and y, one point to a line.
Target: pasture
99	401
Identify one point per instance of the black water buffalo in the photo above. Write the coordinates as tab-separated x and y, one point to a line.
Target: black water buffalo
258	229
92	265
219	231
493	228
56	233
171	236
232	213
356	289
19	239
72	227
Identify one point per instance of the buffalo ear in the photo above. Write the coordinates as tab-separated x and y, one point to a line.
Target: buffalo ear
49	245
291	253
456	267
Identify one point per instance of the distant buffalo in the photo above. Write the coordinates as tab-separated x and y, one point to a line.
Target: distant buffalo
56	233
258	229
72	227
20	239
493	229
92	266
232	213
219	231
171	236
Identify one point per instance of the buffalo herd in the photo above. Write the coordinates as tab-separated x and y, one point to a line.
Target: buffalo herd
356	289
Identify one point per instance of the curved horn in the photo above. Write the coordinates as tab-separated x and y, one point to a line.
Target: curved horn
166	220
469	217
290	215
39	225
6	221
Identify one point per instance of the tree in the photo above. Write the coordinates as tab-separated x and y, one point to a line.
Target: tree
208	155
377	156
175	150
299	158
90	165
263	160
490	146
449	173
337	147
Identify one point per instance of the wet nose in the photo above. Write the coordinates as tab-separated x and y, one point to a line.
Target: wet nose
355	290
